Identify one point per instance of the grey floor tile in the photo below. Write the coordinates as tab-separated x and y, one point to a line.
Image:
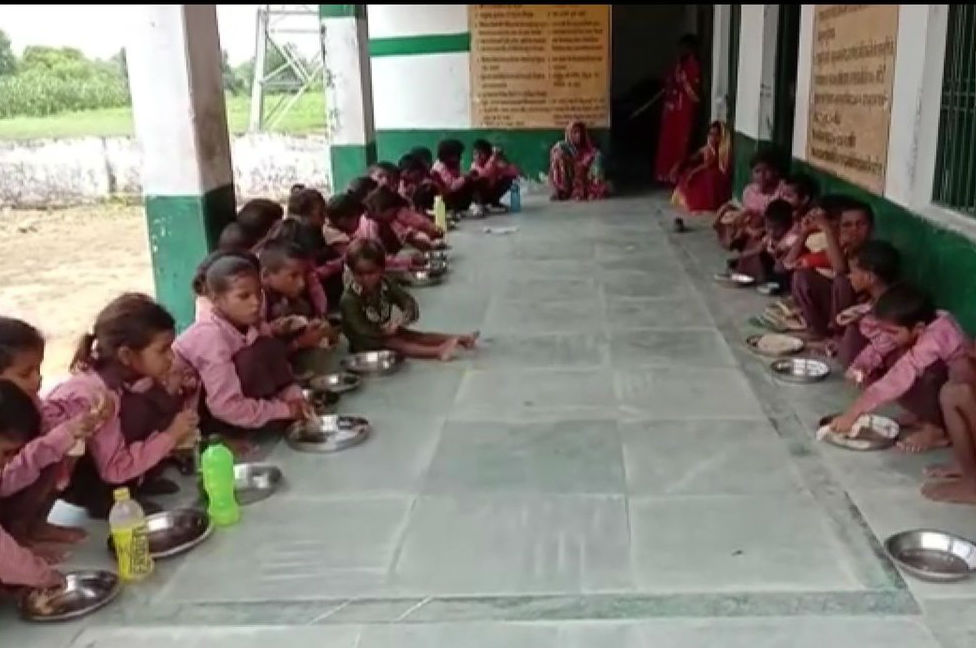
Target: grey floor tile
481	544
745	543
534	394
706	457
646	286
554	457
542	351
650	347
469	635
625	313
686	393
551	289
330	637
507	316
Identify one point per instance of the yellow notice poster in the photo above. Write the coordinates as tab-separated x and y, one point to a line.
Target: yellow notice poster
853	70
539	66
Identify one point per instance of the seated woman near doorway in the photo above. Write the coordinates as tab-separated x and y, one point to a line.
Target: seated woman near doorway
704	180
576	167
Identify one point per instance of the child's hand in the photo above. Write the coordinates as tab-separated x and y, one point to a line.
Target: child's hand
855	375
300	410
101	411
391	327
843	424
311	336
418	261
184	426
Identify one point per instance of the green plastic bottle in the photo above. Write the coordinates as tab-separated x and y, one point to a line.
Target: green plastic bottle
217	468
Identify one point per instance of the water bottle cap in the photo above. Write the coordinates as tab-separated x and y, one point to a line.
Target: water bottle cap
121	494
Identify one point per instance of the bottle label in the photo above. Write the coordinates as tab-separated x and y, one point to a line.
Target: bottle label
132	552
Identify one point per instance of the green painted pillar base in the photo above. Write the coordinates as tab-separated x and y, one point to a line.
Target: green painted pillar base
349	161
182	231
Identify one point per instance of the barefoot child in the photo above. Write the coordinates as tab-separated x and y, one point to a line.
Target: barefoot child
376	311
494	174
25	515
22	462
933	349
246	379
453	184
863	344
956	482
129	356
731	223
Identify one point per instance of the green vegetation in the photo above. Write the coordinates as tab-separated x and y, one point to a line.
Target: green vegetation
57	92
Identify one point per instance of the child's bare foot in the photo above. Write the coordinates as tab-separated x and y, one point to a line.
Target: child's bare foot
926	437
959	491
943	471
469	341
47	532
448	349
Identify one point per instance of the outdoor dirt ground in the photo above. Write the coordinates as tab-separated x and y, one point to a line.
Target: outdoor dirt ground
59	267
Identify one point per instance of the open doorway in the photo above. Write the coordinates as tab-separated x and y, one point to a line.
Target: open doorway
644	50
784	99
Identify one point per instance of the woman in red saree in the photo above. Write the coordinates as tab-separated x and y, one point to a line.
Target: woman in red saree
705	179
682	94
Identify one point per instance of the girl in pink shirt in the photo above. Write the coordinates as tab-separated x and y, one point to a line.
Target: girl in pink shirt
25	514
494	174
731	223
128	356
246	379
930	349
384	207
24	457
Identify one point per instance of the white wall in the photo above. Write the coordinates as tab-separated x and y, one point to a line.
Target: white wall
388	21
750	70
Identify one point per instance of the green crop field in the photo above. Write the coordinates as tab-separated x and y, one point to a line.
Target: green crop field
306	116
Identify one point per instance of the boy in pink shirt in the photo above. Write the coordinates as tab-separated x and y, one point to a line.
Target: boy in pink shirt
933	348
731	222
494	174
456	187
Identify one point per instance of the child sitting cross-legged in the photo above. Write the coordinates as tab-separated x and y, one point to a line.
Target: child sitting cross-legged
930	349
862	345
762	259
376	311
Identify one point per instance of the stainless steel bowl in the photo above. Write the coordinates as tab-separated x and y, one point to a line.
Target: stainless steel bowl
323	400
752	342
932	555
175	532
800	370
339	383
420	278
437	255
436	267
373	362
85	592
866	440
735	279
254	482
328	433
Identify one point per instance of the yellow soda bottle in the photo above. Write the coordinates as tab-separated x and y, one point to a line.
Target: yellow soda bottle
440	214
130	536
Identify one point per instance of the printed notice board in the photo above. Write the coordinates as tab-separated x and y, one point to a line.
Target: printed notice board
852	74
539	66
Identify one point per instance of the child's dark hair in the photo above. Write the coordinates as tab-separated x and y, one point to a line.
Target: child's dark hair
386	167
905	305
804	185
343	206
360	187
258	216
779	213
277	253
423	154
20	418
17	336
881	259
853	204
449	148
481	146
302	202
218	277
411	164
382	199
768	156
831	204
234	237
199	283
365	250
130	320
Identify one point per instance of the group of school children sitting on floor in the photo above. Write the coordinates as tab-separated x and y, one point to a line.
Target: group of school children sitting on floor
847	299
266	301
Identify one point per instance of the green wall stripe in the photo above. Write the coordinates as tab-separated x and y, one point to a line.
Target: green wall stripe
529	149
182	230
342	11
414	45
939	260
349	161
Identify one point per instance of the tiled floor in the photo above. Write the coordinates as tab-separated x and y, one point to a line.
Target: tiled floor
612	468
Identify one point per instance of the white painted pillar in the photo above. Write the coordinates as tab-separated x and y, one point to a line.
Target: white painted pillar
348	88
721	38
175	79
757	71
